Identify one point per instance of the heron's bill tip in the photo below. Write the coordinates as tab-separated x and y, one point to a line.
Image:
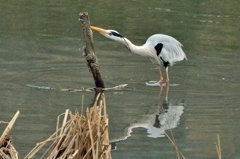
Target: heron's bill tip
93	27
100	30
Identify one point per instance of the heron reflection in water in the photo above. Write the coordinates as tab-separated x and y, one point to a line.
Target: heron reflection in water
164	117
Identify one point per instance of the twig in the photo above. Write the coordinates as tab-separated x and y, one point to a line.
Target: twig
218	147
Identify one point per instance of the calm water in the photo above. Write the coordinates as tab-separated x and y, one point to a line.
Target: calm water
40	44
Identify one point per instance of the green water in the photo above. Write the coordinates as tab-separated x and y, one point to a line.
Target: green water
40	44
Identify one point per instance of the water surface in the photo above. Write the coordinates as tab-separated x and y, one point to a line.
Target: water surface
40	44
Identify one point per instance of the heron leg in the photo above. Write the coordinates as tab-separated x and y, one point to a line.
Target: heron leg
160	76
167	77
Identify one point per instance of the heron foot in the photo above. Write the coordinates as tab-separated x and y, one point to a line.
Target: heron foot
167	82
160	81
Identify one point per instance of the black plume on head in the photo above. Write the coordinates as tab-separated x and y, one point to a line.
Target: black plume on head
116	34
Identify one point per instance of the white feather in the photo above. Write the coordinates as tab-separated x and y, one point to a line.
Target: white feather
172	49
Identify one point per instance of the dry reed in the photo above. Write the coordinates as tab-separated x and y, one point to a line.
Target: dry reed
218	147
7	150
172	140
80	137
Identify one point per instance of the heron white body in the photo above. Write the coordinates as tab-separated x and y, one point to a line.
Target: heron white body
159	48
170	52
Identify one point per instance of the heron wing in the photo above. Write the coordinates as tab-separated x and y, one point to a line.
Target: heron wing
171	51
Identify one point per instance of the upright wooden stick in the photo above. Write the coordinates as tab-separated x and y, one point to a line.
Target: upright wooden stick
89	52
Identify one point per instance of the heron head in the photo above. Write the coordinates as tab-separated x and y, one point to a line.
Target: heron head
111	34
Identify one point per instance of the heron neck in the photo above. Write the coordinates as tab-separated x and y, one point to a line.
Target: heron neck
140	50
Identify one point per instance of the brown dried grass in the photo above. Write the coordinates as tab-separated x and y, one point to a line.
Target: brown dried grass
218	147
80	137
7	149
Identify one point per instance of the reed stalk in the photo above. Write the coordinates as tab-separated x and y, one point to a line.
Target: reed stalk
79	137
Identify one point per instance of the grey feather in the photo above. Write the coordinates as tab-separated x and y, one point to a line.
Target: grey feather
172	49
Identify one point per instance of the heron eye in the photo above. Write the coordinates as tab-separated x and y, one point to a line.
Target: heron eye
110	33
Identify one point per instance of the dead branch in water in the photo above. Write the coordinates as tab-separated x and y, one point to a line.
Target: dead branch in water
89	51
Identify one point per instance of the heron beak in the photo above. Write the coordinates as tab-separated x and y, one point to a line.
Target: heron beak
100	30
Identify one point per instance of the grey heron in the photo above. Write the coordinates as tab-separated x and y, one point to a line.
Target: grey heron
162	50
